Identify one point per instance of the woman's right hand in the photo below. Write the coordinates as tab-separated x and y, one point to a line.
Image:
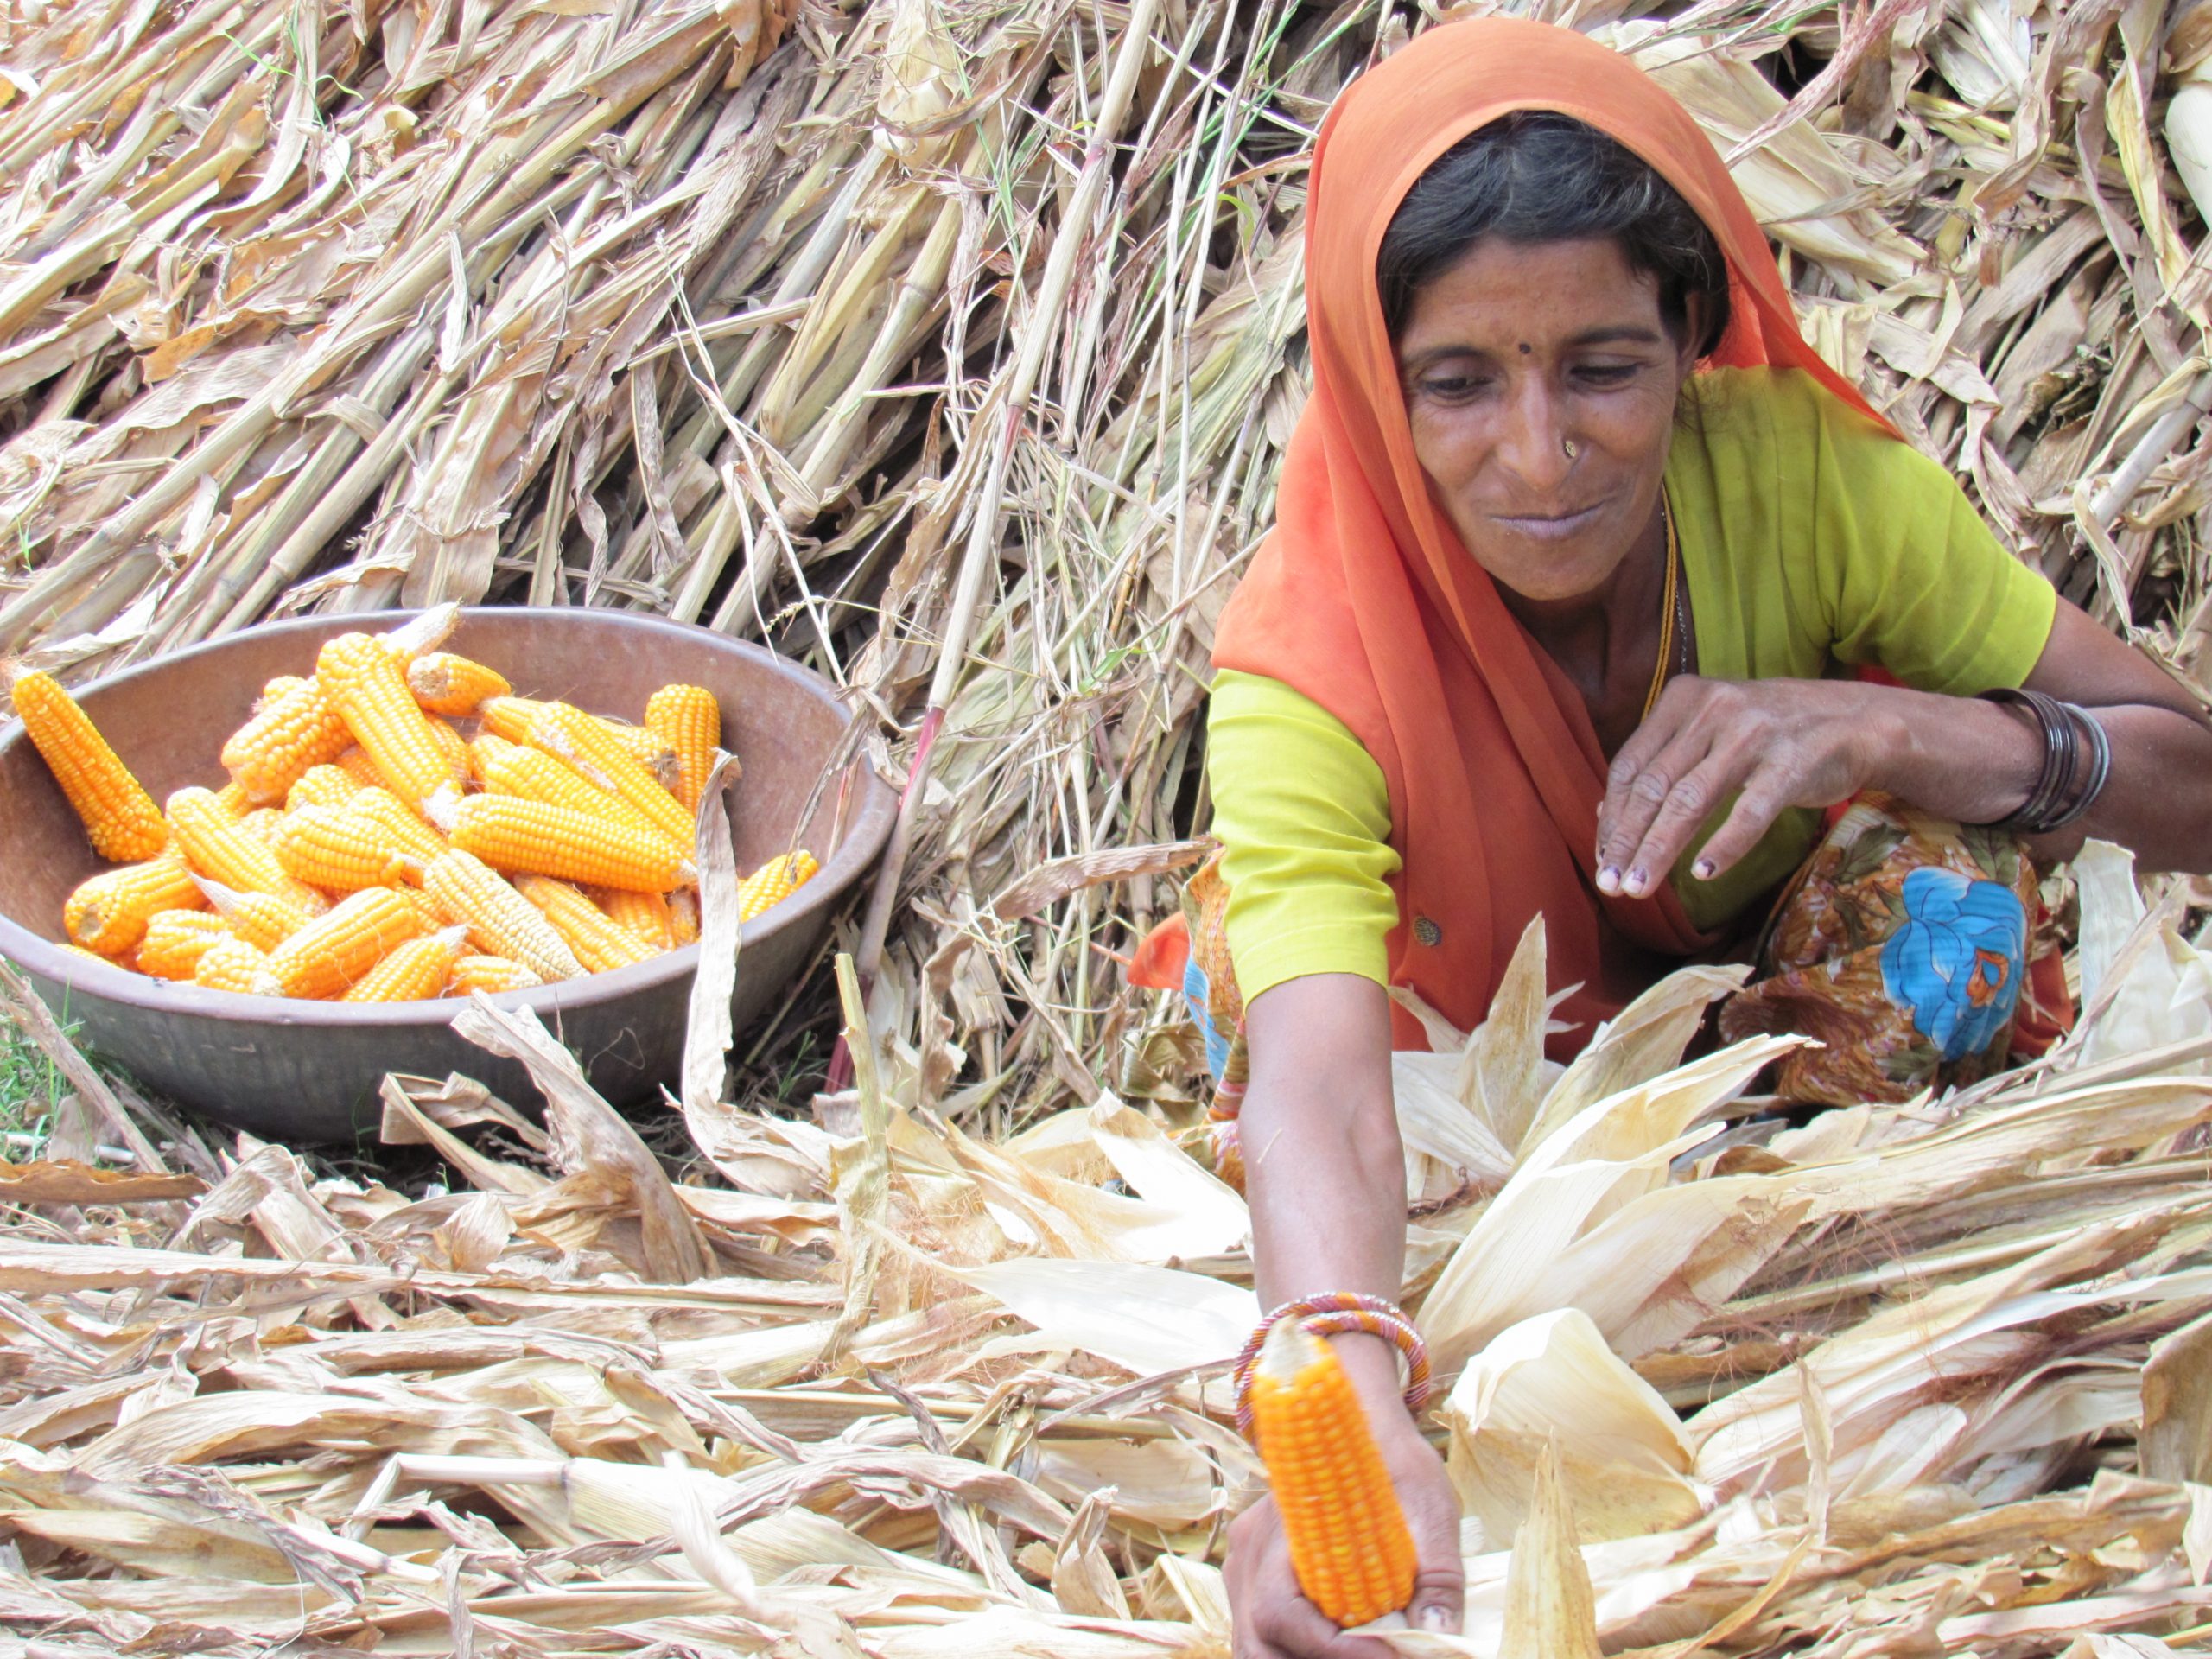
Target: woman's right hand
1273	1618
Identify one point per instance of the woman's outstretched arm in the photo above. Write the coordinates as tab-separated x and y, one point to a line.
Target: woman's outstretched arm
1326	1182
1775	744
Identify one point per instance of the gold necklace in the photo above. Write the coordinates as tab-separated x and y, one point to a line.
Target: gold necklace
1667	611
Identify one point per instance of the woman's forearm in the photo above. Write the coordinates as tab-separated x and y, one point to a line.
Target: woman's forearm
1958	757
1324	1174
1976	762
2159	802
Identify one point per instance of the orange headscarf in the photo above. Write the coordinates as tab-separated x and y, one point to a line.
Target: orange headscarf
1363	598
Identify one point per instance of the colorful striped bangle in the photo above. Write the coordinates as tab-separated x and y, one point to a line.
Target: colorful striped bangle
1334	1312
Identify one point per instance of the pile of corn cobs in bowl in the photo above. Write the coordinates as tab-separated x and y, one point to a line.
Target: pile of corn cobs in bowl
398	826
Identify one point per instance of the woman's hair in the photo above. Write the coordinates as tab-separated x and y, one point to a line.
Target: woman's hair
1537	176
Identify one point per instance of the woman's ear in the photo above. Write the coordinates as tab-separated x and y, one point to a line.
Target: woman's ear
1697	322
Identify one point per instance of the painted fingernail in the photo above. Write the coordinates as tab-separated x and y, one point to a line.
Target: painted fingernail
1609	879
1702	869
1433	1618
1635	882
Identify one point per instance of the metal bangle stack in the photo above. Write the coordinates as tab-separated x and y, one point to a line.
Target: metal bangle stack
2065	788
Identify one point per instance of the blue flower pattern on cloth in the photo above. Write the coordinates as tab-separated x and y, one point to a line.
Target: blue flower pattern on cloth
1198	991
1956	965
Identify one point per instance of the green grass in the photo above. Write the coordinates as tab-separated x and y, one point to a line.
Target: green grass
30	1089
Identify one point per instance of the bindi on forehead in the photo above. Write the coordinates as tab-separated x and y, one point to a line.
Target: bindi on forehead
1526	349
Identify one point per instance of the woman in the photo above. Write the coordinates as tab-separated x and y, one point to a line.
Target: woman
1576	541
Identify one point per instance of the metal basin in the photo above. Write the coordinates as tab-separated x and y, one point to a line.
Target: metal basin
299	1070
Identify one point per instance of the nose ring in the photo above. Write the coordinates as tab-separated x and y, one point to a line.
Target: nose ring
1568	445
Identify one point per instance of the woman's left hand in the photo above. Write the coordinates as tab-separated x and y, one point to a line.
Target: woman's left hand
1777	744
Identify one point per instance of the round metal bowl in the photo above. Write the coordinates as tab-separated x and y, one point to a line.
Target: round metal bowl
299	1070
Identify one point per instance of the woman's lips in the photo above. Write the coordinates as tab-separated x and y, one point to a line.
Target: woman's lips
1558	529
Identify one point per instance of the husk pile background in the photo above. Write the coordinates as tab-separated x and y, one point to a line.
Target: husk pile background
782	318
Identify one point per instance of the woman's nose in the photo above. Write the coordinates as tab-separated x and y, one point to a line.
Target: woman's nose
1535	443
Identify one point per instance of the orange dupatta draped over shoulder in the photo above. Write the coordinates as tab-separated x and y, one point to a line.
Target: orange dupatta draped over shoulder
1363	598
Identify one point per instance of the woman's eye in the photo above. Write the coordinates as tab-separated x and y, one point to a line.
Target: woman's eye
1606	374
1451	388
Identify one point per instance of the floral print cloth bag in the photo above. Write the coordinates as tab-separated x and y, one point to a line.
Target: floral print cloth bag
1905	946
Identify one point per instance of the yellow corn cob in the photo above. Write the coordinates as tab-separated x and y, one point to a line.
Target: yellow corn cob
500	922
339	849
662	764
452	745
506	768
599	941
422	634
176	939
489	974
293	728
230	965
509	717
328	785
446	684
416	972
407	828
225	852
426	909
365	684
773	882
261	823
1348	1542
688	720
513	835
355	764
683	915
234	800
108	913
645	914
120	818
648	750
587	745
331	954
128	963
260	919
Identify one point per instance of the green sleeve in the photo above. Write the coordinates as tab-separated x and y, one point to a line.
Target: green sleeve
1303	815
1910	577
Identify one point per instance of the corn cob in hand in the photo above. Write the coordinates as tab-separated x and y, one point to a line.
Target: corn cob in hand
1349	1541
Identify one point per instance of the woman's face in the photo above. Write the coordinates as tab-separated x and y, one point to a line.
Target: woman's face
1514	355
